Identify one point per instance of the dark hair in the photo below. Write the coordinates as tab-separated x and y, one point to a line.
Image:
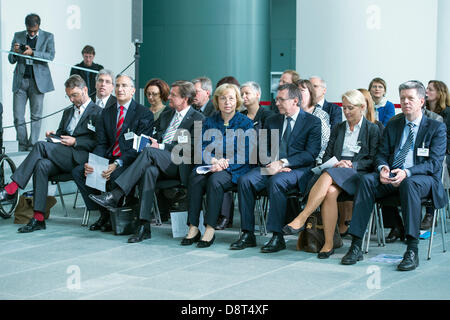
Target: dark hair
32	20
378	80
75	81
164	88
186	89
306	84
88	50
293	92
228	79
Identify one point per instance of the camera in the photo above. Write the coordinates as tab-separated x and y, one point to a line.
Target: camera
23	47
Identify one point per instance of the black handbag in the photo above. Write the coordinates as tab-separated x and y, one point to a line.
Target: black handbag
125	220
312	238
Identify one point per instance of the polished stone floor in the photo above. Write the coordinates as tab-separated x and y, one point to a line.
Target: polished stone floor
67	261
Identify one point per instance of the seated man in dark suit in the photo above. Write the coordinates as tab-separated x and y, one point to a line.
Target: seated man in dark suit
299	146
156	160
104	87
202	101
320	88
88	54
115	129
409	163
77	138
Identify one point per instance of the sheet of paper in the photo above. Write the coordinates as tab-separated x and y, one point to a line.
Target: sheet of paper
329	164
203	169
95	179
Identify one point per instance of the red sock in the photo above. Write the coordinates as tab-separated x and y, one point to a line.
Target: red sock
11	188
39	216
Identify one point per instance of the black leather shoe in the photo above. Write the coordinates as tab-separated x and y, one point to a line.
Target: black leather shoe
325	255
206	244
288	230
188	242
4	196
105	200
223	224
395	234
143	232
107	227
410	261
247	240
99	223
427	222
274	245
33	225
353	255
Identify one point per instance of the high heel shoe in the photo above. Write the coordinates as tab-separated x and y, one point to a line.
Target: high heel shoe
206	244
188	242
288	230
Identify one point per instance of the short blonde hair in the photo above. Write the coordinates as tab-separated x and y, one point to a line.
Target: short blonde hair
356	98
220	90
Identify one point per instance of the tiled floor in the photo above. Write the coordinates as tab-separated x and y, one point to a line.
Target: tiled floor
67	261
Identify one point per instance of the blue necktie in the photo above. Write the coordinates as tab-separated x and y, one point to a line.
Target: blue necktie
399	160
285	139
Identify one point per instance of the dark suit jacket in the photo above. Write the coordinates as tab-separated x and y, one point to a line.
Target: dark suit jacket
209	111
260	117
112	100
86	138
188	124
304	142
87	75
369	138
431	134
139	119
335	113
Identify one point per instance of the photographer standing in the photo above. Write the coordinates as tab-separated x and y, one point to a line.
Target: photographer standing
32	78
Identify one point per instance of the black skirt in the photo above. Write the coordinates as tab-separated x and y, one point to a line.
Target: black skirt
346	178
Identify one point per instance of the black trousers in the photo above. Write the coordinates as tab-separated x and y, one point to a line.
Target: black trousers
214	185
411	192
150	165
46	159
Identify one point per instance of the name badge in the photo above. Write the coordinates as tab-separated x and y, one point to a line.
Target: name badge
355	149
129	136
183	137
423	152
91	127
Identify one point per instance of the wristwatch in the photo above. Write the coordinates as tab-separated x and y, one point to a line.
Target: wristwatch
117	163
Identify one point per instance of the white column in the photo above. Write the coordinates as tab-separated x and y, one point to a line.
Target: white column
443	42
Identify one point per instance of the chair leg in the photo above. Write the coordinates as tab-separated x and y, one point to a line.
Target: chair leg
85	220
430	244
368	232
62	199
380	217
156	213
441	215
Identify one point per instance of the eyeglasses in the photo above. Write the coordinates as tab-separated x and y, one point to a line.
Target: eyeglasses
73	96
225	99
278	99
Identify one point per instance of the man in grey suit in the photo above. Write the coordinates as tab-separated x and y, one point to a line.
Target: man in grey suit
65	149
203	92
32	78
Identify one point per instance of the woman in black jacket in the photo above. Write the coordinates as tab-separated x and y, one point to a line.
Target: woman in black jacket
354	143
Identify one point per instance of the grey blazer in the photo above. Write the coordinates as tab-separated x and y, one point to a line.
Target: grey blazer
45	49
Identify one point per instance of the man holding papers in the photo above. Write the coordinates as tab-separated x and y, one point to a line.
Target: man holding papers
155	160
47	159
115	133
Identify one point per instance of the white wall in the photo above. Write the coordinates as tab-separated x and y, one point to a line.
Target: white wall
349	42
104	24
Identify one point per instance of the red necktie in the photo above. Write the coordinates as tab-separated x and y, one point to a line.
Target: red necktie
116	149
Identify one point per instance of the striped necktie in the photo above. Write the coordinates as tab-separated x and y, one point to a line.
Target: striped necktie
172	129
116	149
399	160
